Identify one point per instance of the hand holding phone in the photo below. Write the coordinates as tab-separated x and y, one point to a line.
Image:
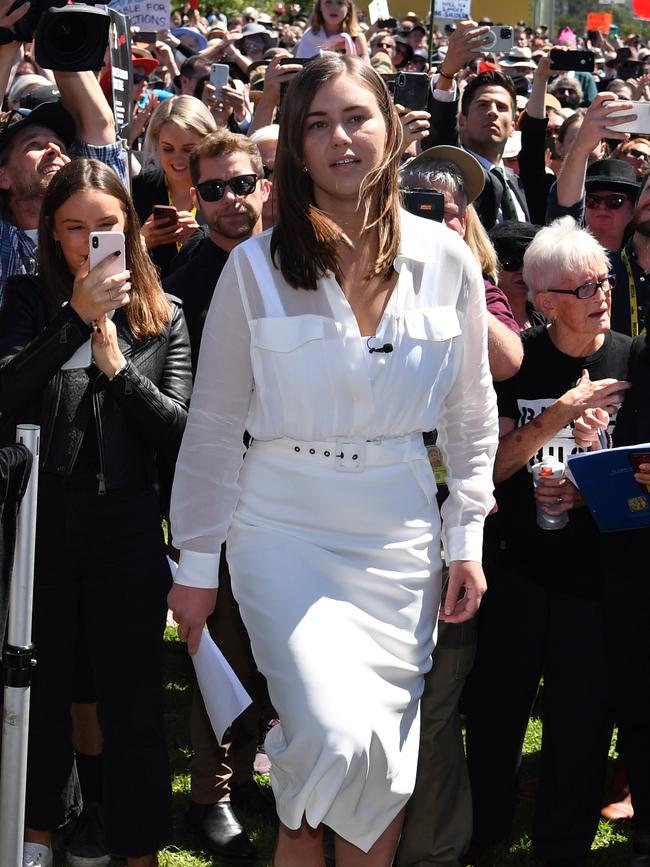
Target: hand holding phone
578	61
102	283
411	90
167	213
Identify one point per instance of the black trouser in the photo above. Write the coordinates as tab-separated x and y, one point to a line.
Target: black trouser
527	631
101	568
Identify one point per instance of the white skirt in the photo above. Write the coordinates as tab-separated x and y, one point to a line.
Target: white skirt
336	570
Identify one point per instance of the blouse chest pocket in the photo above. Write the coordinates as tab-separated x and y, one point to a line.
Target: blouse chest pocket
286	333
432	323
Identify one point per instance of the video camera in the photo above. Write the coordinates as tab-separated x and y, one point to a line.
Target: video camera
68	38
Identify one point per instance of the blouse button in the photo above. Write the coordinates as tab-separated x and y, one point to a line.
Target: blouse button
312	451
296	448
327	454
354	457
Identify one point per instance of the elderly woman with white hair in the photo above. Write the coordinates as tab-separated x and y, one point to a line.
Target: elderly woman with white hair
546	610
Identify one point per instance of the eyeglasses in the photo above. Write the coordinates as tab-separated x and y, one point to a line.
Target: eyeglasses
268	172
612	202
385	44
241	185
634	152
589	289
568	90
514	263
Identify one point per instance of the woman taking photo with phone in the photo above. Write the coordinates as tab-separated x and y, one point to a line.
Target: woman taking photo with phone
101	573
176	126
333	26
336	341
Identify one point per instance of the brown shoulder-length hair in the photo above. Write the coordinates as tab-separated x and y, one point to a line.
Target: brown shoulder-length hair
349	25
148	311
305	240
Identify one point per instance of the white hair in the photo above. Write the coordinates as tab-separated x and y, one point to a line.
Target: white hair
266	133
559	250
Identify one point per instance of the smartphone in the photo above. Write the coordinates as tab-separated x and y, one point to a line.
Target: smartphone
387	23
389	81
165	212
148	36
642	122
300	61
411	90
219	73
580	61
429	204
101	245
499	38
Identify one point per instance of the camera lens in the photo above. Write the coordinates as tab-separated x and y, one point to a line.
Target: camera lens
401	79
506	33
95	243
69	34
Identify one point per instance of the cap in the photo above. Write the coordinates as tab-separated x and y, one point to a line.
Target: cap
468	166
51	115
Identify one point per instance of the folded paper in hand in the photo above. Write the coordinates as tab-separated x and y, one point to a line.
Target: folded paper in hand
223	695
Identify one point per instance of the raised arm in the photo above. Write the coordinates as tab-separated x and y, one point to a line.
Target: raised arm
83	98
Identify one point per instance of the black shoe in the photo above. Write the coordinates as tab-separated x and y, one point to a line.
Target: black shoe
220	831
641	847
87	845
249	797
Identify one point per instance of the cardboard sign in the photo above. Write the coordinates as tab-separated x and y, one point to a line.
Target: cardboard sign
457	10
599	21
145	14
378	11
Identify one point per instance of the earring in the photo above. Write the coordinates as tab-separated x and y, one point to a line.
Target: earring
305	169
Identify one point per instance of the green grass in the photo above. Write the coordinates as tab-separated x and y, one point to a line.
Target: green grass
611	847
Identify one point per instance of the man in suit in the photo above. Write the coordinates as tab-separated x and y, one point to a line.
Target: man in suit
485	124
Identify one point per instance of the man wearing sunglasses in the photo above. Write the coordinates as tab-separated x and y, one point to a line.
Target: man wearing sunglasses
230	191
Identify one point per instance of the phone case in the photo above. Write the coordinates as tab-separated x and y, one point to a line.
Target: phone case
578	61
101	245
640	125
411	90
219	75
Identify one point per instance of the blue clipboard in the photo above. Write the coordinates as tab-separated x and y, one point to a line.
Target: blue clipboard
606	481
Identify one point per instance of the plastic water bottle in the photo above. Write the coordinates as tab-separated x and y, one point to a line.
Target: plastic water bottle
549	469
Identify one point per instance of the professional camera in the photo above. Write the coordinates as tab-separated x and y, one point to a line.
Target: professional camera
24	29
72	38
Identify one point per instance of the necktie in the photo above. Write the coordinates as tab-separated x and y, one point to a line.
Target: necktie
508	208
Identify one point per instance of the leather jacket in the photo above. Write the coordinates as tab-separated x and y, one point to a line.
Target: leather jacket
139	416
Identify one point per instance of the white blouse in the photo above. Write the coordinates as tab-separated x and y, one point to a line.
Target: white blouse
281	362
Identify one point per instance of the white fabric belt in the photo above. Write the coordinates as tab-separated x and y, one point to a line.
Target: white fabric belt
351	454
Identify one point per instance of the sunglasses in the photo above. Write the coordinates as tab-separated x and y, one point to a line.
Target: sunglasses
241	185
515	263
385	44
639	154
139	77
612	202
589	289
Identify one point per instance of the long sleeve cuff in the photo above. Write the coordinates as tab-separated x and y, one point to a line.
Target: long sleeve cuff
463	543
196	569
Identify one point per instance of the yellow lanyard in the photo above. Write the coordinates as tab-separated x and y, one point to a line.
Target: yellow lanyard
192	212
631	288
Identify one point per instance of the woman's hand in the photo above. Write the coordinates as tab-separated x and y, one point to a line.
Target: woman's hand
187	225
94	293
190	607
604	394
106	352
464	575
642	476
557	495
142	117
415	125
588	426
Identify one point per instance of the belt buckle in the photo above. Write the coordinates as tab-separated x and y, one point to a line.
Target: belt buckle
350	456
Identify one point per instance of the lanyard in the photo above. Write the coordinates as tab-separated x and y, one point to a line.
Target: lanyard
631	288
192	212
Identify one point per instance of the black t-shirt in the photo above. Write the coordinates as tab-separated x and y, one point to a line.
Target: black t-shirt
194	284
545	375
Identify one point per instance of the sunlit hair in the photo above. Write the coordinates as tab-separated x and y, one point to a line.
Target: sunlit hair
220	144
148	310
270	132
187	113
349	25
304	242
478	240
559	251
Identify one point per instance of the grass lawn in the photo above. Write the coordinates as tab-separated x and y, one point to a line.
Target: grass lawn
611	848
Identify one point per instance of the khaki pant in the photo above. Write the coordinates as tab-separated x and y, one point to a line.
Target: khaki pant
214	765
438	822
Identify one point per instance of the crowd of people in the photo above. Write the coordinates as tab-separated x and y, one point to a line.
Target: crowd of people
321	409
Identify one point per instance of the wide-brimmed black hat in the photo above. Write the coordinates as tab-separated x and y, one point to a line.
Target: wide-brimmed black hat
512	238
49	114
405	47
615	175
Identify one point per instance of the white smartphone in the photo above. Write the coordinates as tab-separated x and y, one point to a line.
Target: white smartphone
219	73
499	38
101	245
640	125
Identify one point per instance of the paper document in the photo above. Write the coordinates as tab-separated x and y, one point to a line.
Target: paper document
82	357
224	696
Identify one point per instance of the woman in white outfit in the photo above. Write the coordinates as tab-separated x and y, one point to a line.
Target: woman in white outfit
336	339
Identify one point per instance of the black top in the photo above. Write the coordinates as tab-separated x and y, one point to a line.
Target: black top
194	284
545	375
621	319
